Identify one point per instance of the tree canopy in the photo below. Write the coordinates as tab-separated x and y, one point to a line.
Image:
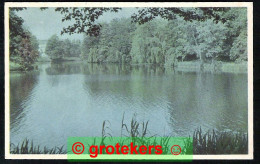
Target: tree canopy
24	47
161	41
152	35
85	18
59	49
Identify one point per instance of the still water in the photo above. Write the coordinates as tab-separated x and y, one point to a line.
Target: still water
73	99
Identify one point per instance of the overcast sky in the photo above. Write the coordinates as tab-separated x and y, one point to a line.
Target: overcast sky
43	24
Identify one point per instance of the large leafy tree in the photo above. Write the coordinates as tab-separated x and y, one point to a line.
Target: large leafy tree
54	48
59	49
23	45
113	44
28	52
142	43
237	35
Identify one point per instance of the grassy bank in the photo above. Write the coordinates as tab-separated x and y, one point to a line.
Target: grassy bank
66	59
15	66
27	147
43	59
47	59
194	66
186	66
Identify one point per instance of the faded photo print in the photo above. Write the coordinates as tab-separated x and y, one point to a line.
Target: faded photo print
128	72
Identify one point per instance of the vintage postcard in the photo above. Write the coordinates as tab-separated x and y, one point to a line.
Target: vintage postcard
129	81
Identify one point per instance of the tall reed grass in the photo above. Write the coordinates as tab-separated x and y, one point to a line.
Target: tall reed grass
213	142
27	147
210	142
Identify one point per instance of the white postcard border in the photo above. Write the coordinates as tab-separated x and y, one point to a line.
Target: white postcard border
249	6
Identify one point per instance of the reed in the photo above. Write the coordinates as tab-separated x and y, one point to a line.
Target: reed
211	142
27	147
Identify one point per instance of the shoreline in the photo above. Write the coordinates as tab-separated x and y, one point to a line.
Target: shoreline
186	66
222	67
207	142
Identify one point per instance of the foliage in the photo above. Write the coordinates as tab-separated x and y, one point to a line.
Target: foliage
72	48
24	47
59	49
142	44
160	41
112	45
188	14
84	19
239	34
239	47
28	50
214	142
54	48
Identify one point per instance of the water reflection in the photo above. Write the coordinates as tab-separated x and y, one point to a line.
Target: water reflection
22	87
73	99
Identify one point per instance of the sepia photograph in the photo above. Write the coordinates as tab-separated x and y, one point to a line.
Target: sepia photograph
129	70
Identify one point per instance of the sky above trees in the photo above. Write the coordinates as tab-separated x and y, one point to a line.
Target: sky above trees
44	24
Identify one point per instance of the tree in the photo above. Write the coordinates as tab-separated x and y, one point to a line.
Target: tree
239	47
165	42
237	35
67	47
88	43
84	19
75	48
113	44
142	41
206	39
24	47
54	48
28	52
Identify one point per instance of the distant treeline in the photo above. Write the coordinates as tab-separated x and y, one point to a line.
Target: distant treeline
159	41
59	49
166	42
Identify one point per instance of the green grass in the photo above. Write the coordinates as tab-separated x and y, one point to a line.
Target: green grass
14	66
27	147
231	67
18	67
213	142
235	67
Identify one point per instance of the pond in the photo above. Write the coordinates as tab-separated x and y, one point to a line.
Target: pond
74	98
